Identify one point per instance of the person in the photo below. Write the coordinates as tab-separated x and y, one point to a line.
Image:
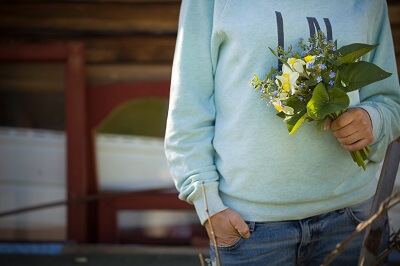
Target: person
275	199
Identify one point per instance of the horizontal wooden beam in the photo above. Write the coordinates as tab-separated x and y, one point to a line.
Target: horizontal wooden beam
111	49
140	16
98	1
50	76
32	77
135	49
124	73
32	52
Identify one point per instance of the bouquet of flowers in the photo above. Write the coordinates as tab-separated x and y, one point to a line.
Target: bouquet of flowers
313	84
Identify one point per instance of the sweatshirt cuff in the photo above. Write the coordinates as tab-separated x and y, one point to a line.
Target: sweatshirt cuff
214	203
375	116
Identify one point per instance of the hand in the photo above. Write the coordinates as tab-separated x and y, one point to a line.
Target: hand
228	227
353	129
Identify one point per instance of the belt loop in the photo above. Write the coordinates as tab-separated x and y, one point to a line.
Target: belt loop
341	211
251	225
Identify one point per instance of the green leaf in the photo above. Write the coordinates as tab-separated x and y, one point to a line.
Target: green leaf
280	59
360	74
271	72
323	102
350	53
296	104
321	123
300	114
333	62
311	82
294	123
281	115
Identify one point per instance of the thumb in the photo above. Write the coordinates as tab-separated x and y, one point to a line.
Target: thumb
241	227
328	124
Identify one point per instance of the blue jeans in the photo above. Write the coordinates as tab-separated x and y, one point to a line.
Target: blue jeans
299	242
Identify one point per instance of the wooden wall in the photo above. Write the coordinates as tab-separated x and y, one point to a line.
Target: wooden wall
126	40
394	15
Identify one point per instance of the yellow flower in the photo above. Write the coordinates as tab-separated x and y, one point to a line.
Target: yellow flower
286	86
308	58
287	80
278	108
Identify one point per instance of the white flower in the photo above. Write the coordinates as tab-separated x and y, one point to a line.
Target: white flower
310	60
283	96
288	79
286	109
296	64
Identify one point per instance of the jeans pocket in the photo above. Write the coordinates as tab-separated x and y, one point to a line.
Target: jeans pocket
360	212
232	246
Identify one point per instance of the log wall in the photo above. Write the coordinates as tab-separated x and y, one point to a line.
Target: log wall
126	40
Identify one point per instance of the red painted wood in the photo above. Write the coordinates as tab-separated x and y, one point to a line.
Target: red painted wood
77	141
107	222
153	201
72	54
34	52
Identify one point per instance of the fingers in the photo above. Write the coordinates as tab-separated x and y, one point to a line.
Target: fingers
357	145
346	131
342	121
328	124
228	227
239	224
353	129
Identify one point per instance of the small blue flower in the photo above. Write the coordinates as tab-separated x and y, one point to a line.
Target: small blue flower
322	66
321	55
334	48
310	65
332	74
276	93
301	98
331	82
301	85
319	79
305	52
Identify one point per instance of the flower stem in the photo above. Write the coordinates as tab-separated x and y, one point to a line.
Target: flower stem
358	156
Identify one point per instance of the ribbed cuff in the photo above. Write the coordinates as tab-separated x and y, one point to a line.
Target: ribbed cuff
214	203
375	119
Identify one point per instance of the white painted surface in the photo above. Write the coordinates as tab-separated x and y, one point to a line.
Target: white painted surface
32	171
132	163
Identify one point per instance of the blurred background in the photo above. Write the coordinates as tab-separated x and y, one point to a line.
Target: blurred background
84	88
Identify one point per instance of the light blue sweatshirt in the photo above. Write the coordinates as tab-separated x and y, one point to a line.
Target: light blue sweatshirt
219	131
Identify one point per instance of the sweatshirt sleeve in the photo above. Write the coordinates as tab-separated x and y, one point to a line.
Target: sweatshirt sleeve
191	115
382	99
